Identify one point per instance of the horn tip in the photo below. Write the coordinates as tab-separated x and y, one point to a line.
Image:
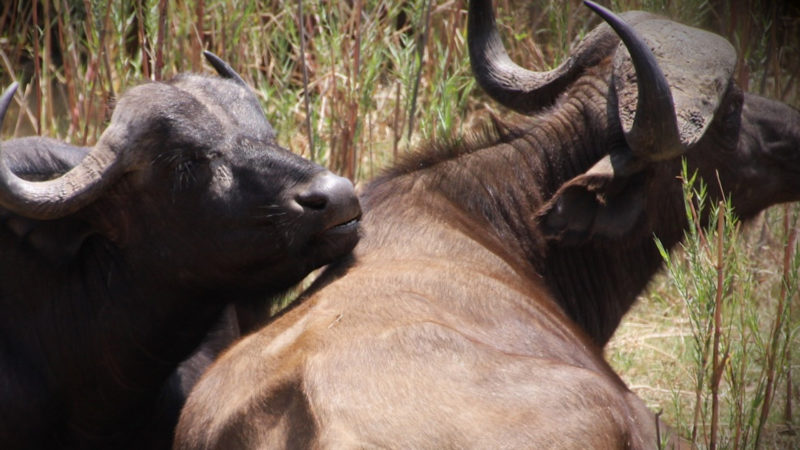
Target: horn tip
5	99
223	68
599	9
212	58
11	89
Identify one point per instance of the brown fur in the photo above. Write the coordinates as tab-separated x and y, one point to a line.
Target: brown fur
440	326
489	276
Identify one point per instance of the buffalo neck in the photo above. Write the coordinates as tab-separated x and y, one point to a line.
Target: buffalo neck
106	335
597	283
500	185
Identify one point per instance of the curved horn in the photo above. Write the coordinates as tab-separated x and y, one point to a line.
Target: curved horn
654	135
61	196
223	69
5	99
517	88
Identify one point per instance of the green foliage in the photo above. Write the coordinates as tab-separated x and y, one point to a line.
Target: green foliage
363	59
738	353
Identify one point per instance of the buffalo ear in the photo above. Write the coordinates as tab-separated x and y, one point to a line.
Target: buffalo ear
598	203
58	241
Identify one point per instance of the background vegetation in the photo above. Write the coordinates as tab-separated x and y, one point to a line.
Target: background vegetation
368	79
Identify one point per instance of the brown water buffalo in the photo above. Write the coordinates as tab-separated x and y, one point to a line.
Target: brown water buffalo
117	260
491	273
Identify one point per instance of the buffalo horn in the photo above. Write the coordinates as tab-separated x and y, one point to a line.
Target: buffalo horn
654	134
5	99
223	69
59	197
522	90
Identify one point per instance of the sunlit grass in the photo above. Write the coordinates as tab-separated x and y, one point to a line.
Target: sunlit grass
720	379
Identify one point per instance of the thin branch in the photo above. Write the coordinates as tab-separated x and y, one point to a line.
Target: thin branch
716	364
302	30
106	61
142	36
420	55
37	69
775	333
395	124
162	31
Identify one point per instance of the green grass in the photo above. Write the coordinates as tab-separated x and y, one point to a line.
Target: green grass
374	91
722	349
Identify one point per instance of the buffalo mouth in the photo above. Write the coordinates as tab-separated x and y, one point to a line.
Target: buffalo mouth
346	227
336	240
342	227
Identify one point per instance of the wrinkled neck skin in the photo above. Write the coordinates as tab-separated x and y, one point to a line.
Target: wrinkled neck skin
502	186
597	283
99	347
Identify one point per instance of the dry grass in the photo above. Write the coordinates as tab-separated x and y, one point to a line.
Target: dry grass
655	348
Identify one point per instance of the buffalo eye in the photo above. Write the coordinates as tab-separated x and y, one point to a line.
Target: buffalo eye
779	147
189	168
184	174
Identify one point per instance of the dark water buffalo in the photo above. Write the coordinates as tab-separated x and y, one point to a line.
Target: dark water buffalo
114	259
490	275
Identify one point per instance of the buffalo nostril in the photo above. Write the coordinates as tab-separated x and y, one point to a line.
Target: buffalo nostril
312	199
330	203
327	191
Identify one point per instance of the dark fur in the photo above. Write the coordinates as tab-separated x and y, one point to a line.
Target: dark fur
97	309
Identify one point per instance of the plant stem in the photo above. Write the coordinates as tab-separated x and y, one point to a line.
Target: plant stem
420	56
716	366
142	33
395	124
37	69
302	30
775	334
162	31
788	254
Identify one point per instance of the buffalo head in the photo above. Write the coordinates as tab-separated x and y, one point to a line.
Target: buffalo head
670	95
637	96
188	177
117	260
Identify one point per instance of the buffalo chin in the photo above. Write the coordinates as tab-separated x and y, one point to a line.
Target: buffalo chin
261	277
334	243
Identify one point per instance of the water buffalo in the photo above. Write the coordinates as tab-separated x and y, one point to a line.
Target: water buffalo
491	273
117	260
